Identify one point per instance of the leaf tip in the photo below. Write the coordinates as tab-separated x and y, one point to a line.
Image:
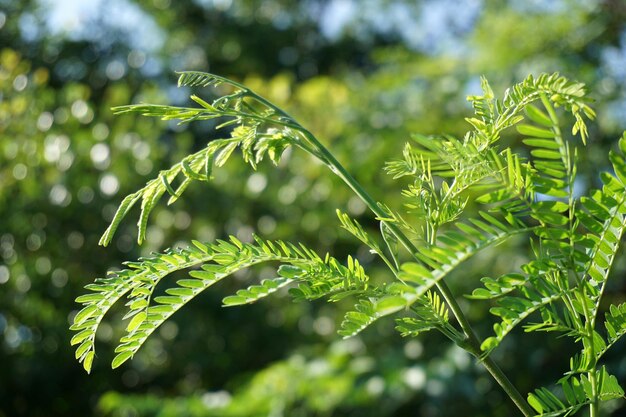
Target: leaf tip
121	358
88	361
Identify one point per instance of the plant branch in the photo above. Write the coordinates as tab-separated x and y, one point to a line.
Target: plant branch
472	343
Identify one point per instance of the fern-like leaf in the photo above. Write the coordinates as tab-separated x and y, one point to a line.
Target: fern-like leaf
549	405
615	324
259	130
437	262
395	297
255	292
356	230
578	392
430	313
605	217
105	292
316	277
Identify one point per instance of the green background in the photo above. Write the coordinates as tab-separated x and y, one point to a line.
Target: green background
362	75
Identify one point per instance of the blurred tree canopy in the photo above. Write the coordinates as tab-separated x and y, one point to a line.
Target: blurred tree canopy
363	75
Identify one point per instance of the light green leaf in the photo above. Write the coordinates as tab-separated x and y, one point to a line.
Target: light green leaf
80	336
389	305
538	116
90	298
88	361
85	313
83	348
534	131
121	358
136	321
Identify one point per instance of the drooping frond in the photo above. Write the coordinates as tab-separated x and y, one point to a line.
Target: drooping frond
356	230
203	79
240	103
430	312
256	292
549	405
315	277
105	292
604	215
498	287
258	129
494	115
454	247
537	293
197	167
615	324
578	392
366	312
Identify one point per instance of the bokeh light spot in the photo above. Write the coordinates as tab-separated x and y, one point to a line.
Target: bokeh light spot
59	277
256	183
100	155
22	283
85	194
100	131
79	109
60	196
20	171
4	274
20	82
75	240
375	385
115	70
415	377
413	349
266	225
44	122
136	59
109	184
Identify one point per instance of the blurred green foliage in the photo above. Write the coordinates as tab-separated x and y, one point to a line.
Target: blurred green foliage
65	163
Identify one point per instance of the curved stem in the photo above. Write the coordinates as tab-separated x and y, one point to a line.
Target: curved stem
471	343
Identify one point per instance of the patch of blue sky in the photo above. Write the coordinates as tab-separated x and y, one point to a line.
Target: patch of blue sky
613	66
96	20
552	6
217	4
429	26
614	60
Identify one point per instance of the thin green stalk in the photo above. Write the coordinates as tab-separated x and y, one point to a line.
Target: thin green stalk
593	379
472	343
594	409
591	373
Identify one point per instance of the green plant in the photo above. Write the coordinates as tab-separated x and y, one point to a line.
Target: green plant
466	194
